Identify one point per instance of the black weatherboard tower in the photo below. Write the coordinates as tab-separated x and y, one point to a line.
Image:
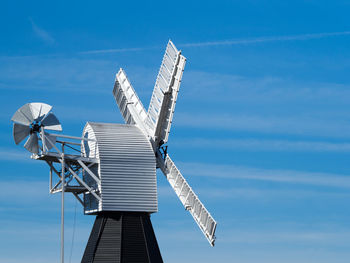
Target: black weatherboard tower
122	237
114	174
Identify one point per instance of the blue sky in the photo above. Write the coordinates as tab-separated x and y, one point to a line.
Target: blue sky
261	129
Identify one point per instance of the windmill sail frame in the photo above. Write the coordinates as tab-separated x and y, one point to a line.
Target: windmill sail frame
164	96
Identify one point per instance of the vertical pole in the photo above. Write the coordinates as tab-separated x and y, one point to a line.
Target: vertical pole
43	139
62	205
50	183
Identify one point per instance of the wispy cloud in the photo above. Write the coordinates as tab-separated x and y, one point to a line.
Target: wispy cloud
234	172
33	195
257	40
303	125
227	194
267	235
225	88
262	145
41	33
57	74
274	236
43	235
8	154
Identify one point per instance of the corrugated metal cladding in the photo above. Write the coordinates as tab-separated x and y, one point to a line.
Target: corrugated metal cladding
127	167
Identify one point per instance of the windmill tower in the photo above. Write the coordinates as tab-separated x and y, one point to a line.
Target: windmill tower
114	174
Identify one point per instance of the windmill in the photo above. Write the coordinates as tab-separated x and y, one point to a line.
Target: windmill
114	174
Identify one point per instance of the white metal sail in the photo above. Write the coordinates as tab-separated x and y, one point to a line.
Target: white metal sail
188	198
128	102
163	100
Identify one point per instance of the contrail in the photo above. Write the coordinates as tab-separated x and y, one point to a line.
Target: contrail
41	33
117	50
265	39
245	41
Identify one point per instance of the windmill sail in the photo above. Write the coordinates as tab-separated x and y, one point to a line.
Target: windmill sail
128	102
188	198
29	120
162	106
39	110
50	122
32	144
20	132
23	115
